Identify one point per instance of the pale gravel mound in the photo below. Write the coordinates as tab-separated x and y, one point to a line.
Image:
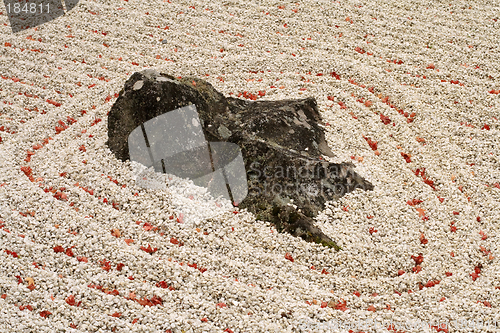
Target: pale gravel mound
440	62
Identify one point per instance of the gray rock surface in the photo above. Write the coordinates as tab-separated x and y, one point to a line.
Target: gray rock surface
282	144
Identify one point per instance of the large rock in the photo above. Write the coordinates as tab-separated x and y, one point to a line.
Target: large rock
282	144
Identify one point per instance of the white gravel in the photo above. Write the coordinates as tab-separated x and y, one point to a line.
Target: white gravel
440	61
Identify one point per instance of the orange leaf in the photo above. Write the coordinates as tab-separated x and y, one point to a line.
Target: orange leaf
128	241
421	212
115	232
31	283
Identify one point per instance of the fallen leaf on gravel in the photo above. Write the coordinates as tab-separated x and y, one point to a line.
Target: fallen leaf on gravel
421	212
45	314
71	300
31	283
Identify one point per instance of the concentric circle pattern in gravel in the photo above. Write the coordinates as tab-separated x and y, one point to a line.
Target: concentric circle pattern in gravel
410	94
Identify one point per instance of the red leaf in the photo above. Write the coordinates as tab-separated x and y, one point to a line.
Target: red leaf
341	305
335	75
69	252
116	315
162	284
406	157
45	314
119	266
106	265
149	249
372	144
58	248
385	119
12	253
221	305
53	103
423	240
71	300
419	259
82	259
288	256
128	241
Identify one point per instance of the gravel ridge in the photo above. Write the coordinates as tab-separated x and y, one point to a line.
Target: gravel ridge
410	95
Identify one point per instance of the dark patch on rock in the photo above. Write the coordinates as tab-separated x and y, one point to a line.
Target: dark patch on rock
282	144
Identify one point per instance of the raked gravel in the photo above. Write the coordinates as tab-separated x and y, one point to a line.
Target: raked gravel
60	247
